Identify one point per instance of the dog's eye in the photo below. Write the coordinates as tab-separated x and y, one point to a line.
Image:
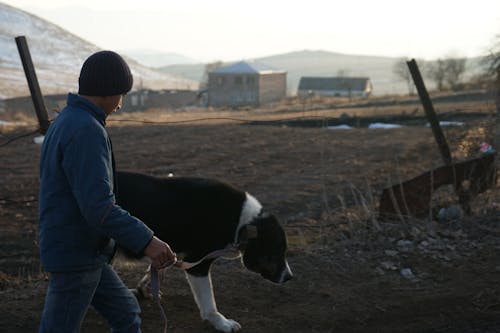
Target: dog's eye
269	263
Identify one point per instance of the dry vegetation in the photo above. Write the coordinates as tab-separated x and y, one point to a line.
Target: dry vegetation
353	272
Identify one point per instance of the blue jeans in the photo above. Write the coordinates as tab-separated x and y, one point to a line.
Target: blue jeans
70	293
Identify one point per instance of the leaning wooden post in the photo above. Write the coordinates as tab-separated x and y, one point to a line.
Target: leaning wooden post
36	94
496	138
430	113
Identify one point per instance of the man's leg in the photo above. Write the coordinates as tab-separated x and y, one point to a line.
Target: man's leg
68	297
116	303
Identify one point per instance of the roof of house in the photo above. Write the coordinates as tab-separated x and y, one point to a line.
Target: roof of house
246	67
333	83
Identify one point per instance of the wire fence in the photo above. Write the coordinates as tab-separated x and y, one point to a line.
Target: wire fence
324	119
10	140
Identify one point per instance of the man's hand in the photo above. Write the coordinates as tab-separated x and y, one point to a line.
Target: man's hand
160	253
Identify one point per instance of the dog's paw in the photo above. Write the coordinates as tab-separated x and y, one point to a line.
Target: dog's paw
223	324
136	293
143	292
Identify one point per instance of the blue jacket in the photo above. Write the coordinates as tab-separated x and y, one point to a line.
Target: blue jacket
78	217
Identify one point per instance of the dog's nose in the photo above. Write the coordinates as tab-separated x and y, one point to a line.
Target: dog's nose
286	274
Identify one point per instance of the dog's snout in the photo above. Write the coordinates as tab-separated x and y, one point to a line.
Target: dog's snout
286	274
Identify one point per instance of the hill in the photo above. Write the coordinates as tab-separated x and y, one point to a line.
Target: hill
323	63
318	63
57	56
152	58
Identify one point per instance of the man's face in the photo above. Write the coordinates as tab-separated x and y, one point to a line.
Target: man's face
112	103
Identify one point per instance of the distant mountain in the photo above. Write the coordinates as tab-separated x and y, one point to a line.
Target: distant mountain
323	63
58	56
318	63
152	58
191	72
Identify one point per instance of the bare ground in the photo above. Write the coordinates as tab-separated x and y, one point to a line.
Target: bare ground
353	272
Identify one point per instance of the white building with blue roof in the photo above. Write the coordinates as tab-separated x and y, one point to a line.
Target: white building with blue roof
245	83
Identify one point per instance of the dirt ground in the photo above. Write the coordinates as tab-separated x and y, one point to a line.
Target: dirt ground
352	271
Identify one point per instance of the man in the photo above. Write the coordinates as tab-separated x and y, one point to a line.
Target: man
79	222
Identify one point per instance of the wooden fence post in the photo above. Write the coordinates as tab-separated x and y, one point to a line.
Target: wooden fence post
36	94
430	113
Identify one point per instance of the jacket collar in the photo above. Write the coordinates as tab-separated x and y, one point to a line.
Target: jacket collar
83	103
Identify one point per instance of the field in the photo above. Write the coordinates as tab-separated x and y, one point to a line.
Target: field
353	271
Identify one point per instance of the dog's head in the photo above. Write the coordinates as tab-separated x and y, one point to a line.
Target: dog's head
265	248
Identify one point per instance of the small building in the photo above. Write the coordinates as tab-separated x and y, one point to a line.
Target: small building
143	99
24	104
245	83
335	87
136	100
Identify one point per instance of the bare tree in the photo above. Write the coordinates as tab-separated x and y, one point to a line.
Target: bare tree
493	65
447	72
437	72
208	68
455	68
492	61
400	69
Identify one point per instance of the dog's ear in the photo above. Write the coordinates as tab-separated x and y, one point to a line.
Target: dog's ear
264	215
251	231
247	233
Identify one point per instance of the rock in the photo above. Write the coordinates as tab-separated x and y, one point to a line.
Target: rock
391	253
451	213
388	265
404	243
424	244
407	274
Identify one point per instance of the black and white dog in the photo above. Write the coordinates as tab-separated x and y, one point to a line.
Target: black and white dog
197	216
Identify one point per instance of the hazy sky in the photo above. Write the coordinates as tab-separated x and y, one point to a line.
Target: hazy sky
209	30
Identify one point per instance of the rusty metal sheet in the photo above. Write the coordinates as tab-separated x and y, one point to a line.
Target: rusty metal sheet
413	197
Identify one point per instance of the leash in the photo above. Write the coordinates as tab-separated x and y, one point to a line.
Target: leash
155	290
233	250
230	250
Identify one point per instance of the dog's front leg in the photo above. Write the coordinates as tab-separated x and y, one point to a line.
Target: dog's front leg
143	285
203	293
143	288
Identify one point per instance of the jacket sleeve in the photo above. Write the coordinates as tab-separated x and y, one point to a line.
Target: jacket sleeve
88	168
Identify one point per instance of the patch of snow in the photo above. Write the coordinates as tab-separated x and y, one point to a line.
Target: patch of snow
339	127
38	139
384	126
448	123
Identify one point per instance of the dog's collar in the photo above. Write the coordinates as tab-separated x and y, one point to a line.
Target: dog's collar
245	233
233	250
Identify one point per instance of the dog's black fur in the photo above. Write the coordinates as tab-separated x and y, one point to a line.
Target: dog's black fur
196	216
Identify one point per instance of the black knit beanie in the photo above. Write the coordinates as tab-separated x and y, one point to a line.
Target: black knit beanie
105	73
